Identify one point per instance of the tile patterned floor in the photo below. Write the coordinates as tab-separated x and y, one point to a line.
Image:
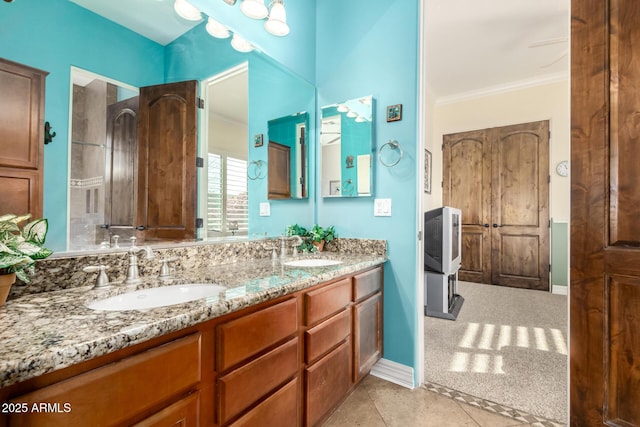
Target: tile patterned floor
379	403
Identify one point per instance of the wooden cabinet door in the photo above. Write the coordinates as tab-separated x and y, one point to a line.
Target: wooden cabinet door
605	201
367	335
498	177
467	186
21	138
168	145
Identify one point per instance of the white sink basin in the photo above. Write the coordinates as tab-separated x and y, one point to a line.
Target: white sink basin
156	297
312	262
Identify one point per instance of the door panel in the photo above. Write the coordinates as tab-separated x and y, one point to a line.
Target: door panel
605	233
121	163
520	200
167	193
279	171
467	186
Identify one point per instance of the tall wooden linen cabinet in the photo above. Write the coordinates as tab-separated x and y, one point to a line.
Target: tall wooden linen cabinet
21	138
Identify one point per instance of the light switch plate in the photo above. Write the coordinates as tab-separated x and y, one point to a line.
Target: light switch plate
265	209
382	207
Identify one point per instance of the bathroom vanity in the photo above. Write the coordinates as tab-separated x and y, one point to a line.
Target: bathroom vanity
280	346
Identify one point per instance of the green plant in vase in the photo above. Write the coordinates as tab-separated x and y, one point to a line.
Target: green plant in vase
319	236
19	249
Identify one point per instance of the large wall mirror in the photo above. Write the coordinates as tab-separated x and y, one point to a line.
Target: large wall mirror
101	175
346	144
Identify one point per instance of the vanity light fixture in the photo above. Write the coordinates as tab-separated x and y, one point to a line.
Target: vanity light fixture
360	119
186	10
254	9
342	108
351	114
277	22
241	44
216	29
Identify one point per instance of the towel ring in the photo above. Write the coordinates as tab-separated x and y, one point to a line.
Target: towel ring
393	147
347	187
255	171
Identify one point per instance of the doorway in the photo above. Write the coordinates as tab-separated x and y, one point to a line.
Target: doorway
499	178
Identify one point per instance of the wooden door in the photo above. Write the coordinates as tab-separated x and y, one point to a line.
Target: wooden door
520	206
279	171
121	164
167	193
467	186
22	91
605	213
498	177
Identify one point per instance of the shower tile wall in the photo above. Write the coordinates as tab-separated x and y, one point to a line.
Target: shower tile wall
88	162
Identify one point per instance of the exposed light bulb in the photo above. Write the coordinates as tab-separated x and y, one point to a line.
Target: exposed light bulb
240	44
277	22
254	9
216	29
186	10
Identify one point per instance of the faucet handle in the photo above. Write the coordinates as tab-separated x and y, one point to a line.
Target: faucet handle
115	238
165	270
102	279
133	241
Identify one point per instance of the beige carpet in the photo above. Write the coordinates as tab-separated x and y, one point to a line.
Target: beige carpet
508	346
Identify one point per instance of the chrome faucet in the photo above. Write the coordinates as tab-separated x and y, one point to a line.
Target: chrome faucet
283	245
133	273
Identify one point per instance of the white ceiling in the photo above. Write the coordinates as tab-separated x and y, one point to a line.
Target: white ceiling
474	45
471	45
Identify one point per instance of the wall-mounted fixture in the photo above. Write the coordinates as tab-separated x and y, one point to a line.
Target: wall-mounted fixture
254	9
277	22
187	11
216	29
394	113
390	153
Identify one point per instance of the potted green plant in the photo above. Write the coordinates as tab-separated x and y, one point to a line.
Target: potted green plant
319	236
19	249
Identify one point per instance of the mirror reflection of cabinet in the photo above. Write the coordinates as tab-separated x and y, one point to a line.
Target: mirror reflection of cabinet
21	138
287	157
346	144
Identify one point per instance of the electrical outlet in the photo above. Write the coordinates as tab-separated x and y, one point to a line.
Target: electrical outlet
265	209
382	207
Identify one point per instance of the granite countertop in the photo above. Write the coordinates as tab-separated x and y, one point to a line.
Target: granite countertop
44	332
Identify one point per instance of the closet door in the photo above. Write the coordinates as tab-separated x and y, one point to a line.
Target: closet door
605	205
467	186
499	178
520	205
21	138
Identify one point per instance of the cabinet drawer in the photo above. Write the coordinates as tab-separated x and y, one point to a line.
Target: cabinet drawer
323	337
244	386
324	302
280	409
183	413
327	382
246	336
367	283
115	393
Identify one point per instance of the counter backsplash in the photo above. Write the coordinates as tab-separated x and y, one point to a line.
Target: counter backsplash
62	272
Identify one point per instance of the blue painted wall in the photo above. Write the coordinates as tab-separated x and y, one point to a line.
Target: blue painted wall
54	35
371	48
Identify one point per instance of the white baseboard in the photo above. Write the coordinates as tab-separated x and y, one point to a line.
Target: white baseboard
394	372
560	290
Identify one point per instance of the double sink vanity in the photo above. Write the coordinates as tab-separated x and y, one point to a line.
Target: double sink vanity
228	336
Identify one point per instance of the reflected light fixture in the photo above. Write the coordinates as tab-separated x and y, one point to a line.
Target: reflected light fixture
241	44
216	29
351	114
277	22
360	119
342	108
254	9
186	10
